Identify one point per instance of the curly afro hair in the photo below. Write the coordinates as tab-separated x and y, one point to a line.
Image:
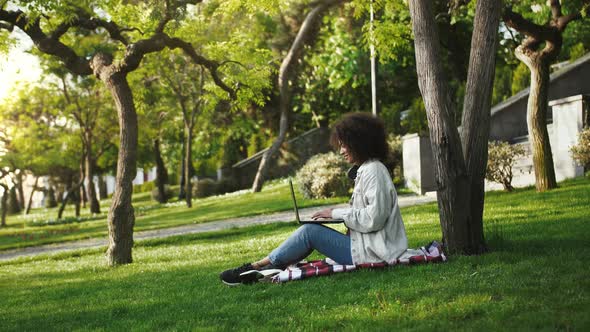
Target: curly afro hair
363	134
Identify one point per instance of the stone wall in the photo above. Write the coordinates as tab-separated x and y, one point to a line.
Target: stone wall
417	162
293	154
570	115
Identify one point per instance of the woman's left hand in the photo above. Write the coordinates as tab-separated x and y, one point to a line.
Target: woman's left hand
326	213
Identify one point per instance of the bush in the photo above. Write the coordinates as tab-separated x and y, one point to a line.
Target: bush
167	192
226	185
144	187
395	160
501	157
204	188
324	175
581	151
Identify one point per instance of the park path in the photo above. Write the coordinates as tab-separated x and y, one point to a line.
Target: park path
285	216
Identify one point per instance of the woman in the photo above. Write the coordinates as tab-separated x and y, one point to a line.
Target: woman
376	231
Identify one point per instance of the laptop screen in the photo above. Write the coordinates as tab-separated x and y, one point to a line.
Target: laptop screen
294	201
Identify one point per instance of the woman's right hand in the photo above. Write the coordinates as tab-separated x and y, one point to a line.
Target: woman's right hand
326	214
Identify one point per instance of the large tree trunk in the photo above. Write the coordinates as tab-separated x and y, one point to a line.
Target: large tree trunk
121	218
476	111
306	35
188	195
537	106
462	231
541	46
161	173
89	183
30	202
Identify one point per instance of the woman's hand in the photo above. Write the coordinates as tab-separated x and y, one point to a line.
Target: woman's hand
326	213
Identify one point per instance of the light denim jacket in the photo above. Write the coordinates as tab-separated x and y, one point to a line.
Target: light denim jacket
376	227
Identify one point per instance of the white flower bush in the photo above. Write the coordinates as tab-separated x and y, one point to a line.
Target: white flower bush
323	176
581	151
501	158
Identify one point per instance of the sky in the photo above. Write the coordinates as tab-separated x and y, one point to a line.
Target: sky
18	66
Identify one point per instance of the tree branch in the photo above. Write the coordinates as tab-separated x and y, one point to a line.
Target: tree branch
524	26
212	66
563	21
536	34
169	12
555	9
72	61
6	26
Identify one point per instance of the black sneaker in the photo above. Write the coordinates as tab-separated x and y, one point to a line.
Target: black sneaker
233	277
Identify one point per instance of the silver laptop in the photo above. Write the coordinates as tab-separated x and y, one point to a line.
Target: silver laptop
310	221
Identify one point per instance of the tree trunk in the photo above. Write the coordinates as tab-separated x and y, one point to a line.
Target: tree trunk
161	173
59	194
50	201
306	35
121	218
4	205
187	168
21	193
476	111
30	202
461	231
102	187
70	195
89	183
541	46
82	188
537	106
181	191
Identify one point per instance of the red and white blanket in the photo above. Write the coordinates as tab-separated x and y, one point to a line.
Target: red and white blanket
430	253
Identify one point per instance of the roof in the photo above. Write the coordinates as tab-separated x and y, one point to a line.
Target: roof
524	93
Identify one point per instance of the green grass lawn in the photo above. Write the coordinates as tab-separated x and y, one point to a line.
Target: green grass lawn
40	227
535	277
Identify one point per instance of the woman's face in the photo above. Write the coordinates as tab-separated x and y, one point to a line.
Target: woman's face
346	153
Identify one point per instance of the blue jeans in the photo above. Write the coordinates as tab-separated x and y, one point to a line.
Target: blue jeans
308	237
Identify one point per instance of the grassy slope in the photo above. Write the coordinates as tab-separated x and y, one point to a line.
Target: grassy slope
534	278
22	230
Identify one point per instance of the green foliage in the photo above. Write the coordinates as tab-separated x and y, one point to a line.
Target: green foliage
502	84
391	31
391	116
144	187
168	193
501	158
395	159
577	51
6	42
226	185
204	188
521	78
324	175
415	120
581	151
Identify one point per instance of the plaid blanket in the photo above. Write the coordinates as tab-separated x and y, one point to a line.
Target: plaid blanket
303	270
